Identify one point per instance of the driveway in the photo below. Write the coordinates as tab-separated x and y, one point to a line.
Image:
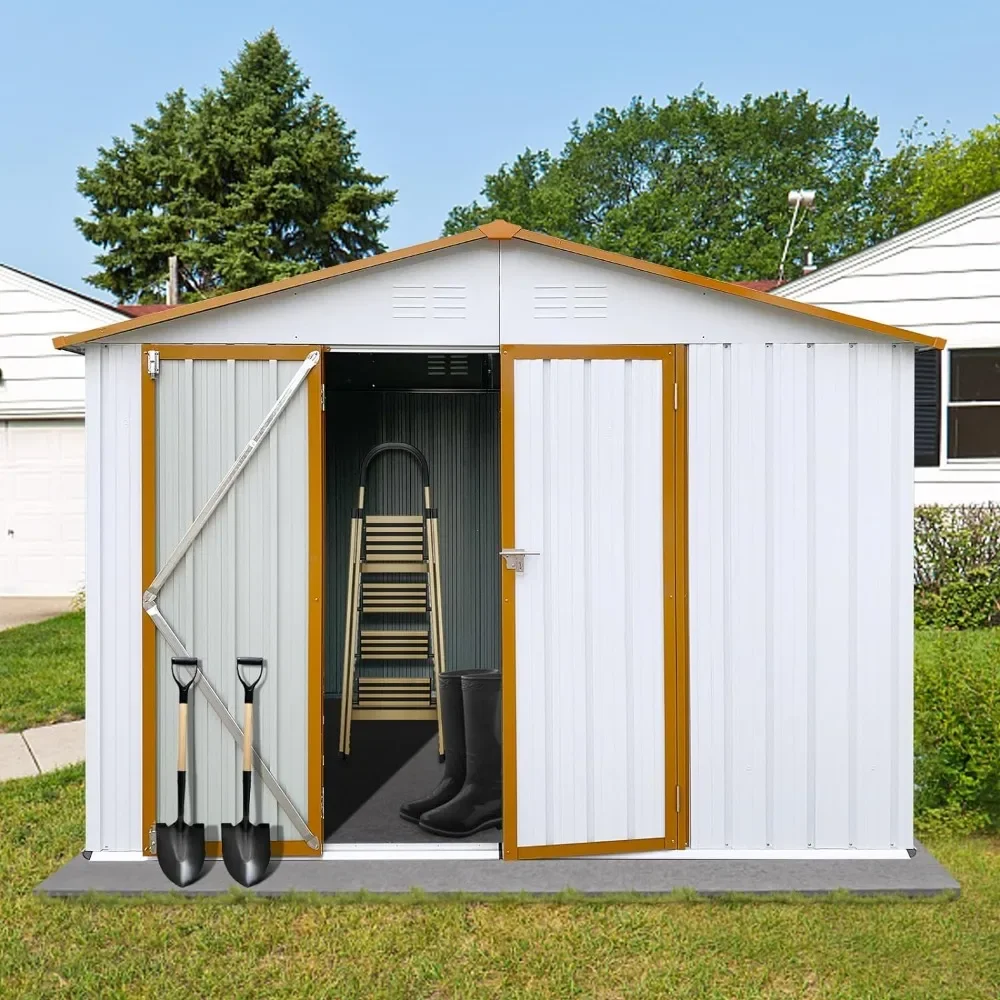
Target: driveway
25	610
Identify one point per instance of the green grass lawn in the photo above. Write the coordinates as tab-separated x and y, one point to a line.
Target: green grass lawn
303	947
41	673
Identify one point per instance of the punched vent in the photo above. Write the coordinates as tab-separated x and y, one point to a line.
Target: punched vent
579	301
447	365
437	302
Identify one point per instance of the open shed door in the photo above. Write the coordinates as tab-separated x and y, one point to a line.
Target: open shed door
588	469
232	566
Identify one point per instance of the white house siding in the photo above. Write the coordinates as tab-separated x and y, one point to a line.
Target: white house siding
38	380
941	279
41	436
800	556
114	599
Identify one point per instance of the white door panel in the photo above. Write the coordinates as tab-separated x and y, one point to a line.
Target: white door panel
589	607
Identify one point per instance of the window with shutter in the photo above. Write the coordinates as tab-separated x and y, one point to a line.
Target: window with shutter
974	403
927	408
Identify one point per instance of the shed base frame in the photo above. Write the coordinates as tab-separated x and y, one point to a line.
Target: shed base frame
921	875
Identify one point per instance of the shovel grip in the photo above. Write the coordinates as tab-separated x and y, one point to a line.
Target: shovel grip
247	736
182	739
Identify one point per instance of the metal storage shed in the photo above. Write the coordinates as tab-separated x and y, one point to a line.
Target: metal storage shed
708	645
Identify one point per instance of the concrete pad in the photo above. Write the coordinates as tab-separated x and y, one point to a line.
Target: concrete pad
59	745
16	611
920	875
15	758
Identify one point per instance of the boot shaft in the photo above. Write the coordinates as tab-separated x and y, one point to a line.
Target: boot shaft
453	722
483	725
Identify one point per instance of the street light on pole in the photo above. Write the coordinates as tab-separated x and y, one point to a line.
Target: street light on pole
796	200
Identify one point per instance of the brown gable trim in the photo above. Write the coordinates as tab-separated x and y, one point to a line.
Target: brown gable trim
190	308
501	230
817	312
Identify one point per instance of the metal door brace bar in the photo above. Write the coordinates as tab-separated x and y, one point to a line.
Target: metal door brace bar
149	598
231	476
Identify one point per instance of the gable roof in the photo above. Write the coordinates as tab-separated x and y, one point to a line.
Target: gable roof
496	230
32	283
866	258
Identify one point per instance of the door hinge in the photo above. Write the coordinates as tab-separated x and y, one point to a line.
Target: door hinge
152	363
678	798
322	803
675	395
152	839
322	396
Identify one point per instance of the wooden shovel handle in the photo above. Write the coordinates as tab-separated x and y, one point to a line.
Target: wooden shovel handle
247	732
182	738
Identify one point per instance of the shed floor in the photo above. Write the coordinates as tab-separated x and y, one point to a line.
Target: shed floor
390	763
920	875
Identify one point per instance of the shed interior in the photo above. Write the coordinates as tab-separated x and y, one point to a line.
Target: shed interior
447	407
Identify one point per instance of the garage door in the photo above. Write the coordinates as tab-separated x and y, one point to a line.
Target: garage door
41	507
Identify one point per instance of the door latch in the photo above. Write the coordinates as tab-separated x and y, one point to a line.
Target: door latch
153	363
514	558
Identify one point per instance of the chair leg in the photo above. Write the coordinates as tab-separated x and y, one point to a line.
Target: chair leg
350	626
434	582
432	613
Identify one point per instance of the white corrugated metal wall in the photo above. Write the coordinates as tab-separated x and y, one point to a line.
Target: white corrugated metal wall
589	608
114	599
800	562
242	589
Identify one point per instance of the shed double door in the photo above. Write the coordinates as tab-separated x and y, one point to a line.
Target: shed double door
249	582
588	469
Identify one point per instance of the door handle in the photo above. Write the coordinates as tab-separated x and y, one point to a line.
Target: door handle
514	558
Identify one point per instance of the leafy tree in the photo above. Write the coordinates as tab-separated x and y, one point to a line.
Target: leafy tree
700	185
253	181
935	173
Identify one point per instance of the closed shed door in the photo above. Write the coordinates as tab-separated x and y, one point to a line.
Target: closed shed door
589	665
248	585
41	508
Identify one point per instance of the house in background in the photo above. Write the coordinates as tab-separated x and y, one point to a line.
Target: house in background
42	434
942	279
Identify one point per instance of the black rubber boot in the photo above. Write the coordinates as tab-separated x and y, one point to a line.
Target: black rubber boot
478	805
453	725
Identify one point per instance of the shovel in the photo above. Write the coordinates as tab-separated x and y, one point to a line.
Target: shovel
246	848
180	846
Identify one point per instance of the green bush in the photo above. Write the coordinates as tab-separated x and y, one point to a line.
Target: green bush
956	567
956	731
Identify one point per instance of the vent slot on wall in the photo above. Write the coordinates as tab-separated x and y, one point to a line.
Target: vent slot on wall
447	365
413	372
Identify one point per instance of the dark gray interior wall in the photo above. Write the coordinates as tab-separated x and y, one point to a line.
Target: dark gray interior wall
459	435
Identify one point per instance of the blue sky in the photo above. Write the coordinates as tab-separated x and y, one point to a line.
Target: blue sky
442	93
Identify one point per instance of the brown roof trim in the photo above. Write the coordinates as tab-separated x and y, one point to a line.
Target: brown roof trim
190	308
818	312
761	284
142	310
500	230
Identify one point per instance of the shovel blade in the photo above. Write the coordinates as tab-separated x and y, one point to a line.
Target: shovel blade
246	850
180	850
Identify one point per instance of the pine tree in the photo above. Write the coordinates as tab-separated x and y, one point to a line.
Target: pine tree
255	180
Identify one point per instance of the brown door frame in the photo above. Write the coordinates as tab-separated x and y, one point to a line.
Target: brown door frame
675	609
316	673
